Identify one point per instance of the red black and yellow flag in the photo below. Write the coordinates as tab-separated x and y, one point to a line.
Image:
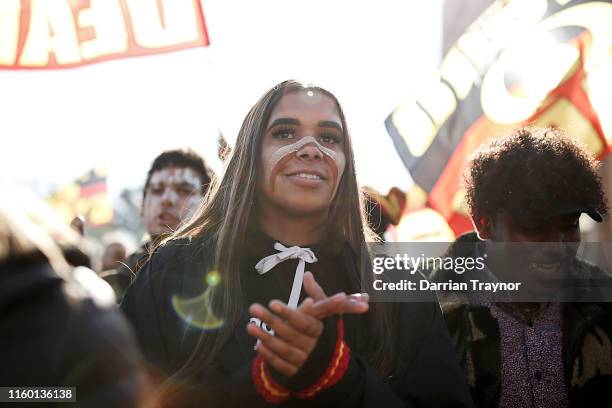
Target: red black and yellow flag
86	196
544	62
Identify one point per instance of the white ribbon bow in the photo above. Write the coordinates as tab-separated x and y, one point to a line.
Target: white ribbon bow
295	252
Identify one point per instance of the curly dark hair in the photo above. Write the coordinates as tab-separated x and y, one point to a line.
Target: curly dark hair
530	171
181	158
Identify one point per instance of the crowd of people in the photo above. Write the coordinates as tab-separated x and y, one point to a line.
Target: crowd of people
249	288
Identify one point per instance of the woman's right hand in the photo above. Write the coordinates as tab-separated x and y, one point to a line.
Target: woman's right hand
298	331
323	306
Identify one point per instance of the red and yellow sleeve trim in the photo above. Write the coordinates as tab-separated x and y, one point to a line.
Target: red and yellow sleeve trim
265	385
334	373
275	393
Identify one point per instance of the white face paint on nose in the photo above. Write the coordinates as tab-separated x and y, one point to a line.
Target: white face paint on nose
284	151
170	195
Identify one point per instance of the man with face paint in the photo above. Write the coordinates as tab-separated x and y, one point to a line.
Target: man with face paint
548	345
174	188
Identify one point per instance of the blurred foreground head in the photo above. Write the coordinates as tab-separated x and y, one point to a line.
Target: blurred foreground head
31	229
60	325
175	185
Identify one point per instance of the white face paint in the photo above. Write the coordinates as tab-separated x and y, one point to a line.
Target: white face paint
284	151
302	154
172	196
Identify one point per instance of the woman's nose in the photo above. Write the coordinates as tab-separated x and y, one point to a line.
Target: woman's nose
309	152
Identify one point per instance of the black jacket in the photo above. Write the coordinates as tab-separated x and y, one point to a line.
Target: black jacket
53	333
587	338
428	374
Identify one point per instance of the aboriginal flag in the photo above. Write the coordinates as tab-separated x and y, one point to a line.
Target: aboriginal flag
86	196
540	62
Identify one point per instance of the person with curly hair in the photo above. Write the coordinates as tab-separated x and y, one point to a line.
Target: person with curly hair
551	343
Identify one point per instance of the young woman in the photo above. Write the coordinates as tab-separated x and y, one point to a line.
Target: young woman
226	308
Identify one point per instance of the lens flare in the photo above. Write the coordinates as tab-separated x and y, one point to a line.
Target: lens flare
213	278
197	311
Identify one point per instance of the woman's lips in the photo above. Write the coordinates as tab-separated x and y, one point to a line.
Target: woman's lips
306	179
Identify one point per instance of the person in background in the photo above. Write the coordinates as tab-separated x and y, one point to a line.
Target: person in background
59	324
114	255
383	211
552	346
174	188
113	258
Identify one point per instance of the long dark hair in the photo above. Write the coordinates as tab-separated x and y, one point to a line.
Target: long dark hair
227	212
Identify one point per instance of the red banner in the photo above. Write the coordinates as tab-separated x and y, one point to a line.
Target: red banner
48	34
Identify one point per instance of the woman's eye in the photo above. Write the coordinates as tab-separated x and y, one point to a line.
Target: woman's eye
329	139
283	134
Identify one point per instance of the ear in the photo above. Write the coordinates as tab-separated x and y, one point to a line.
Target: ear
482	225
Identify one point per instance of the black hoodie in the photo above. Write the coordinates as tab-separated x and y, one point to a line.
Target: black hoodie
427	373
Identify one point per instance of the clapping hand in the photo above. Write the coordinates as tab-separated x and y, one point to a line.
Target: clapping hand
297	331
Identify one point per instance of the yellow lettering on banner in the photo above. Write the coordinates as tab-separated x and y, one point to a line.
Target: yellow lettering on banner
595	17
414	122
458	72
499	26
106	18
439	101
415	126
10	11
541	63
179	25
477	48
513	18
51	30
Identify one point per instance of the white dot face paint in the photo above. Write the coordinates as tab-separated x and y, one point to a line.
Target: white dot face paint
302	153
172	196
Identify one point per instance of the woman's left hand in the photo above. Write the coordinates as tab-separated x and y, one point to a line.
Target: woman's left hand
296	334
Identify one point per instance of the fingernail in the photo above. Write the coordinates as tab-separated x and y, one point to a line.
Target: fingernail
360	297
